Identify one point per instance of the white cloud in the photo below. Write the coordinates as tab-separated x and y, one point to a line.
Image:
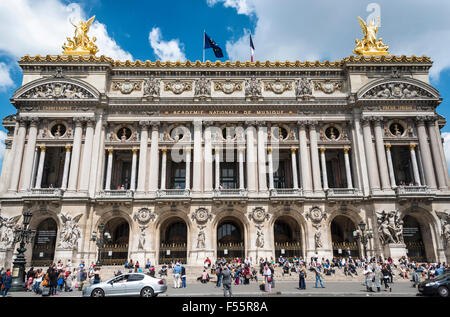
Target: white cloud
241	6
5	79
3	136
326	29
41	27
171	50
446	137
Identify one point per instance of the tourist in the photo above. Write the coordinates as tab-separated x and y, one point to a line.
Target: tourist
176	276
81	278
219	275
68	281
148	264
53	281
37	281
267	279
386	277
378	276
60	281
183	276
319	277
205	277
302	276
6	282
368	278
226	281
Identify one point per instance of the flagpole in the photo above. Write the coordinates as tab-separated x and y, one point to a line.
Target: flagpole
204	32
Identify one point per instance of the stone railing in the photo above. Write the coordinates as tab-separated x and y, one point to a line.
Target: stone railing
175	193
413	190
120	193
230	192
285	192
344	192
46	192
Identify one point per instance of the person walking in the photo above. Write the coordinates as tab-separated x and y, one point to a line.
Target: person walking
6	282
226	281
318	275
377	276
37	281
81	278
219	275
176	275
386	278
301	275
368	278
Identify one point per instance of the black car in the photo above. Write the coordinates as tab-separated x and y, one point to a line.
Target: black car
440	285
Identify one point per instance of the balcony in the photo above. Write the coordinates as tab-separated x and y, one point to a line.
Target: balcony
286	192
173	193
46	192
413	191
344	193
113	194
235	192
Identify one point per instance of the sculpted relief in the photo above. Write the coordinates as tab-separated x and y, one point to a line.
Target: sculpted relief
390	227
70	232
57	90
7	226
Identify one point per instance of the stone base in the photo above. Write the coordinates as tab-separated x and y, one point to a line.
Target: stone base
199	257
447	253
260	253
322	253
64	255
395	251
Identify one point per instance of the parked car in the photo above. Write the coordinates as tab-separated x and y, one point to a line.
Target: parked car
439	285
131	284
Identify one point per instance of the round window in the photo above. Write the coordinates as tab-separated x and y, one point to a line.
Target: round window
124	133
396	129
332	133
177	133
280	133
58	130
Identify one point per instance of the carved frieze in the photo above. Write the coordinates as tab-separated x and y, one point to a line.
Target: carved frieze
303	88
178	86
390	227
202	87
228	86
258	215
57	90
253	88
328	86
316	215
397	90
126	86
201	215
144	215
70	232
152	87
277	86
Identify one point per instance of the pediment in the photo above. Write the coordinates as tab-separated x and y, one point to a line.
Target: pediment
398	89
57	89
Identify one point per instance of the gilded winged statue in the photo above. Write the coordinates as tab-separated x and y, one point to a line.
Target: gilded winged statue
370	45
80	44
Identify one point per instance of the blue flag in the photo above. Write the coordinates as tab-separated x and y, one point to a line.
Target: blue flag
209	43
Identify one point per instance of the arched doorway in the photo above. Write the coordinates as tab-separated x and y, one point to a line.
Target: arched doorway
344	242
230	239
115	251
287	237
412	236
173	241
44	243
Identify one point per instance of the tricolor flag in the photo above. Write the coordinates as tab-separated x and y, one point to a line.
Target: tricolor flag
252	47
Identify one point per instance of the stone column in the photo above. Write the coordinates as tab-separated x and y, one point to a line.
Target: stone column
207	173
98	149
262	137
143	156
66	167
217	166
87	155
154	157
29	155
35	163
163	168
304	160
348	170
109	170
269	160
412	148
40	168
381	155
440	172
197	165
315	165
294	168
426	153
76	151
187	184
18	154
374	179
324	168
390	165
133	169
251	159
241	168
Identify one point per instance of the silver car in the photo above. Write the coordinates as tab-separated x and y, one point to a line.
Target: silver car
129	284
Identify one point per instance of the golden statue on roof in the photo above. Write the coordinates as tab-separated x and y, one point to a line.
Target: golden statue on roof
81	44
370	45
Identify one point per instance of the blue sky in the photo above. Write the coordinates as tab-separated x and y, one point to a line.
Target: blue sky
281	30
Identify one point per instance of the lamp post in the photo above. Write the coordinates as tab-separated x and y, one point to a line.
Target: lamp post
100	240
23	235
363	235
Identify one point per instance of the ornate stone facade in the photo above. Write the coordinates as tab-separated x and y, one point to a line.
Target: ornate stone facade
189	160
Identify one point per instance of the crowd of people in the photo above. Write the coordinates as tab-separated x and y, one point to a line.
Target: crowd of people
376	272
